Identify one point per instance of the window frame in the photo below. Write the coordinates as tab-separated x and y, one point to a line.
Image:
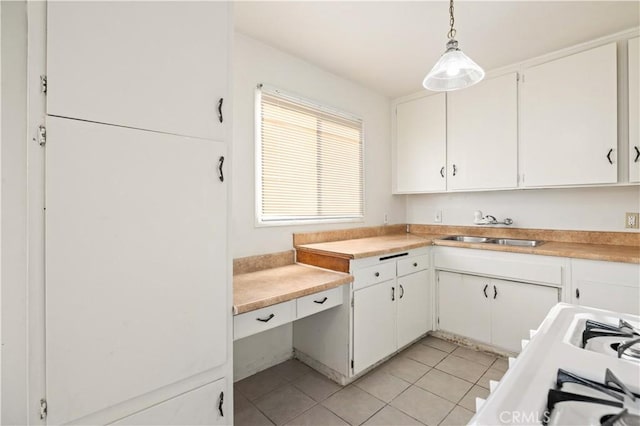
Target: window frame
259	221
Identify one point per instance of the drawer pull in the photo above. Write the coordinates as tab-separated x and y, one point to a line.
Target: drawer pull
320	302
267	319
415	264
377	274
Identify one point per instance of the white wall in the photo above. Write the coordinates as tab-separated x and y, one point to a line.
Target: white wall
594	209
255	62
14	212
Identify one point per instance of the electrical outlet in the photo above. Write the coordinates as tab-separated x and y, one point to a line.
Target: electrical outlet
438	216
631	220
386	219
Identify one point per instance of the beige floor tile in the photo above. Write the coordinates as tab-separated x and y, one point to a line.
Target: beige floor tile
501	364
316	386
382	385
353	404
259	384
425	354
475	356
441	344
462	368
469	400
284	404
405	368
459	416
291	369
246	414
491	374
318	416
424	406
445	385
391	416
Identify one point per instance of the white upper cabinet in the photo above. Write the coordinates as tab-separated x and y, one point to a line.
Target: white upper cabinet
569	119
482	135
634	110
420	148
158	66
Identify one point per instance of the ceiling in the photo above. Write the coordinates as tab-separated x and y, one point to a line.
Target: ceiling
389	46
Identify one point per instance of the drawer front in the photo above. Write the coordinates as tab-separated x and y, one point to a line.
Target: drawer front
263	319
309	305
413	264
365	277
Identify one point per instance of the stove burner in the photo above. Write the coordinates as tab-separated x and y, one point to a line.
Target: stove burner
626	338
577	400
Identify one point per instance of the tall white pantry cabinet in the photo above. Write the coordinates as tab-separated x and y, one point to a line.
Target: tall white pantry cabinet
138	289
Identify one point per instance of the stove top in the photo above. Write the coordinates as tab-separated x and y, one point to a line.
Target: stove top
580	401
622	341
577	350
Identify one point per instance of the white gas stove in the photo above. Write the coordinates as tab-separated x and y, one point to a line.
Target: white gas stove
581	367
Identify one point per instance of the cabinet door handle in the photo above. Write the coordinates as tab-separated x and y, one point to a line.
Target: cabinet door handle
393	294
220	117
220	402
267	319
320	302
577	293
455	170
442	171
401	291
220	173
637	154
609	156
495	291
485	290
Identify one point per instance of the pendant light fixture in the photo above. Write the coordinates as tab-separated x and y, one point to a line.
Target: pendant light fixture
454	70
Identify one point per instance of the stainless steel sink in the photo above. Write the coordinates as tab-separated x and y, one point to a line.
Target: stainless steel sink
500	241
514	242
467	239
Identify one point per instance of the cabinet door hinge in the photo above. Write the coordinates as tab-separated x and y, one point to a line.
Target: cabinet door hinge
43	84
43	409
42	135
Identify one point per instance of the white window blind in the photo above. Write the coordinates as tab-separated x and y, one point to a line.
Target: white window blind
309	161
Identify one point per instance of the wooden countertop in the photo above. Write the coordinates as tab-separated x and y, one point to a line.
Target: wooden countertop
255	290
366	247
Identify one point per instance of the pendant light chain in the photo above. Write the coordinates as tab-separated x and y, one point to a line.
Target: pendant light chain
452	31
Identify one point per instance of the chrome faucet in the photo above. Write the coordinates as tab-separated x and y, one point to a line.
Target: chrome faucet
489	219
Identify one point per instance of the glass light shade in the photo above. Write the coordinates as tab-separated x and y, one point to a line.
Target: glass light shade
454	70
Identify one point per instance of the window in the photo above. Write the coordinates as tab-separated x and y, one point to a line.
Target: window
309	161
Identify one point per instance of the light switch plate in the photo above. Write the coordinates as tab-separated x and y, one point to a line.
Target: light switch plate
438	216
631	220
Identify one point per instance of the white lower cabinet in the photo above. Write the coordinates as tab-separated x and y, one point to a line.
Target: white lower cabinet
606	285
414	311
389	315
374	324
492	311
202	406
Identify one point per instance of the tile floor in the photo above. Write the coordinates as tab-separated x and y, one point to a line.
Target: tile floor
433	382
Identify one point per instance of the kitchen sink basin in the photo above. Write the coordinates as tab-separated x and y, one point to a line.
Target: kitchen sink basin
514	242
466	239
500	241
